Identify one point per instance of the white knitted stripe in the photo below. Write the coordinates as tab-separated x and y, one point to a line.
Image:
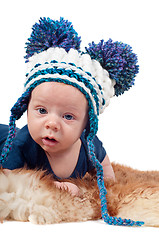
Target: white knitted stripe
64	77
75	70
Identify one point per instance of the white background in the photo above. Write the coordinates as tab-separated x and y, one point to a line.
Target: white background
129	126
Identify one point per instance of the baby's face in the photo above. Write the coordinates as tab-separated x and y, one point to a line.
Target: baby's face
57	116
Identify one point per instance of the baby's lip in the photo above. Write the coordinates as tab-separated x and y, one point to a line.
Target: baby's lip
51	138
49	141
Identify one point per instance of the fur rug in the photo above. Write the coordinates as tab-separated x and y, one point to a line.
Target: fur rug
29	195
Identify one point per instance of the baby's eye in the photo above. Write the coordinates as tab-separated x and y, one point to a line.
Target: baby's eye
68	117
42	111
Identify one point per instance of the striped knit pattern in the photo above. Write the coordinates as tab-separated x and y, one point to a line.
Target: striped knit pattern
76	67
71	73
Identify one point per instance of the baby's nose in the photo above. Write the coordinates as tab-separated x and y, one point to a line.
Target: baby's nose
53	124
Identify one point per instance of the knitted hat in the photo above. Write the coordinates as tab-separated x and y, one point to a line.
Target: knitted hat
102	71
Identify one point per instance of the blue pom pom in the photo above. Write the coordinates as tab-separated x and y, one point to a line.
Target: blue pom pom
119	60
49	33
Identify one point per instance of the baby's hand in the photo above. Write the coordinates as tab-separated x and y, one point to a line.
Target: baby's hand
6	171
107	169
67	186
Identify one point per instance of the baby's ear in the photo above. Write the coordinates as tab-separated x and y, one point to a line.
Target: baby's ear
119	60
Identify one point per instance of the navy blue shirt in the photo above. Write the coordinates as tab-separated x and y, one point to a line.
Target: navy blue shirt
25	151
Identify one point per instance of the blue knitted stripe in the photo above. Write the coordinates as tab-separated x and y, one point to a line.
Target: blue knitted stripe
70	74
8	143
102	193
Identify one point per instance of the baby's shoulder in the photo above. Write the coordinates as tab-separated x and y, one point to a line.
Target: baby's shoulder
96	141
23	136
99	149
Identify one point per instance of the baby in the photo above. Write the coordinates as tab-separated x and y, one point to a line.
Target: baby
57	117
64	92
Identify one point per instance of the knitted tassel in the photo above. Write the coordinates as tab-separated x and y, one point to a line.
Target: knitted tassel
49	33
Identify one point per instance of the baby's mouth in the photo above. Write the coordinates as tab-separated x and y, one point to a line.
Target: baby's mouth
49	141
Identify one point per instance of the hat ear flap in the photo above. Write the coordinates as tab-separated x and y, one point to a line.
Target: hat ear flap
16	112
21	105
119	60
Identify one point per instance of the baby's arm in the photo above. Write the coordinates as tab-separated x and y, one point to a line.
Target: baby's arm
75	191
107	168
